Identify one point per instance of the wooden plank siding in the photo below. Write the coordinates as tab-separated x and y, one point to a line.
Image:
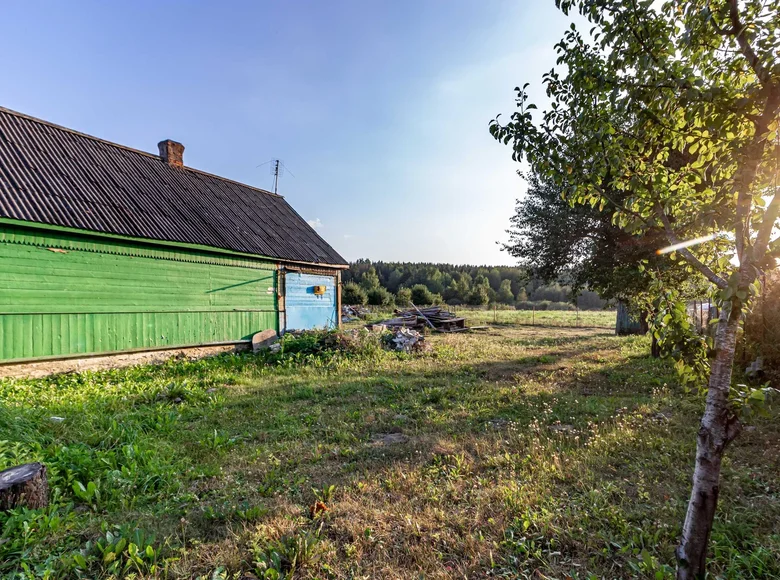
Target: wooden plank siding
63	295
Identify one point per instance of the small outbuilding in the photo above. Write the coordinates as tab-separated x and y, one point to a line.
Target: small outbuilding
104	248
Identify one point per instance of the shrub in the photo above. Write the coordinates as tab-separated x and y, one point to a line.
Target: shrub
478	296
421	295
588	300
353	295
551	293
404	297
380	297
323	347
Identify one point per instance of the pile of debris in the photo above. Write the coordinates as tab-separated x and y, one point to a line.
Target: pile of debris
408	340
433	317
352	313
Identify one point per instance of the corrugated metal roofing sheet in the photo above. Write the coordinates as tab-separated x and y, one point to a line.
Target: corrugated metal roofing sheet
56	176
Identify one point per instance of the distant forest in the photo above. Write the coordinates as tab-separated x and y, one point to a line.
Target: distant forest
399	283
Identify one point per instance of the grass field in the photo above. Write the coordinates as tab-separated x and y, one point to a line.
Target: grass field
517	452
562	318
566	318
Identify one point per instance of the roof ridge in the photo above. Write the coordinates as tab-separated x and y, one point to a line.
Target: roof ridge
131	149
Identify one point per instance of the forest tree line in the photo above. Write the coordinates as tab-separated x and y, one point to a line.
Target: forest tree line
402	283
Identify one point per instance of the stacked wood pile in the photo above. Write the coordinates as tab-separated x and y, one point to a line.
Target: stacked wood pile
433	317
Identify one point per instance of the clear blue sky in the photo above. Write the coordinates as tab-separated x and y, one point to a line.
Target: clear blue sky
380	109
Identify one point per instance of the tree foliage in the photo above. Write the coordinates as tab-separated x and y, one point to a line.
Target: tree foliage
556	239
380	297
457	282
404	297
353	295
675	106
421	295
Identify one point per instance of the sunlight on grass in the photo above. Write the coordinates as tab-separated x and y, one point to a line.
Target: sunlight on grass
512	452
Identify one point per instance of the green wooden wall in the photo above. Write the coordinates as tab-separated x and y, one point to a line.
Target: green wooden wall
65	294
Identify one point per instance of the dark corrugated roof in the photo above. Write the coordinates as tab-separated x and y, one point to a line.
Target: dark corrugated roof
56	176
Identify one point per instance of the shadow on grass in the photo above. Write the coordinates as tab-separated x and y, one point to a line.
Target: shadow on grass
269	439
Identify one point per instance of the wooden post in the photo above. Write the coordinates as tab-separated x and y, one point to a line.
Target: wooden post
281	299
578	315
24	486
533	315
338	300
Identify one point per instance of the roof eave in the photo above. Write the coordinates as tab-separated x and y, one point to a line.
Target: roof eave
166	243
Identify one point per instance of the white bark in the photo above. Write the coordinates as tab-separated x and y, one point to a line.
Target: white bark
719	426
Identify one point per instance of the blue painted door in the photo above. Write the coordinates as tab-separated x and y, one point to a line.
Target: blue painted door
306	310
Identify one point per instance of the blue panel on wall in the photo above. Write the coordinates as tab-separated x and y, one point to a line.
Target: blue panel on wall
305	309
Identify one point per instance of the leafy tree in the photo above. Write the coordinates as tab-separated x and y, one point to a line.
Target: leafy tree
504	293
353	295
479	295
456	281
380	297
552	292
394	280
522	296
421	295
481	280
494	279
588	300
677	105
404	297
586	247
356	270
463	285
451	292
369	280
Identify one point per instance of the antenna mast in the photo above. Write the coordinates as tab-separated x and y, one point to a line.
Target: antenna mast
276	175
277	170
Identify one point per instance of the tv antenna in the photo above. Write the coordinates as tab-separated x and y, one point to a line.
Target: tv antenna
277	170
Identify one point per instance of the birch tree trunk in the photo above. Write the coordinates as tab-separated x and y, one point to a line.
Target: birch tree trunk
719	426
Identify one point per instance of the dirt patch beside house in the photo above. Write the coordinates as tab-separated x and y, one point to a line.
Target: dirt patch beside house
112	361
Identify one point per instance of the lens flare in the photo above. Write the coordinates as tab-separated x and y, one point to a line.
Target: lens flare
687	244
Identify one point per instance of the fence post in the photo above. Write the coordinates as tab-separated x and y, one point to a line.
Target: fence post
533	315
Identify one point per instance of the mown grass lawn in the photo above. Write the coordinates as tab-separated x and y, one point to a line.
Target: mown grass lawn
516	452
604	319
584	318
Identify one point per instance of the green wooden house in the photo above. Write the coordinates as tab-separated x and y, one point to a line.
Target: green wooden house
105	249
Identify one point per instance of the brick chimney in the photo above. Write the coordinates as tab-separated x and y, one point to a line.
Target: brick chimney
172	152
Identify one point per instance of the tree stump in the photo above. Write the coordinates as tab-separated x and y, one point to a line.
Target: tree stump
24	486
